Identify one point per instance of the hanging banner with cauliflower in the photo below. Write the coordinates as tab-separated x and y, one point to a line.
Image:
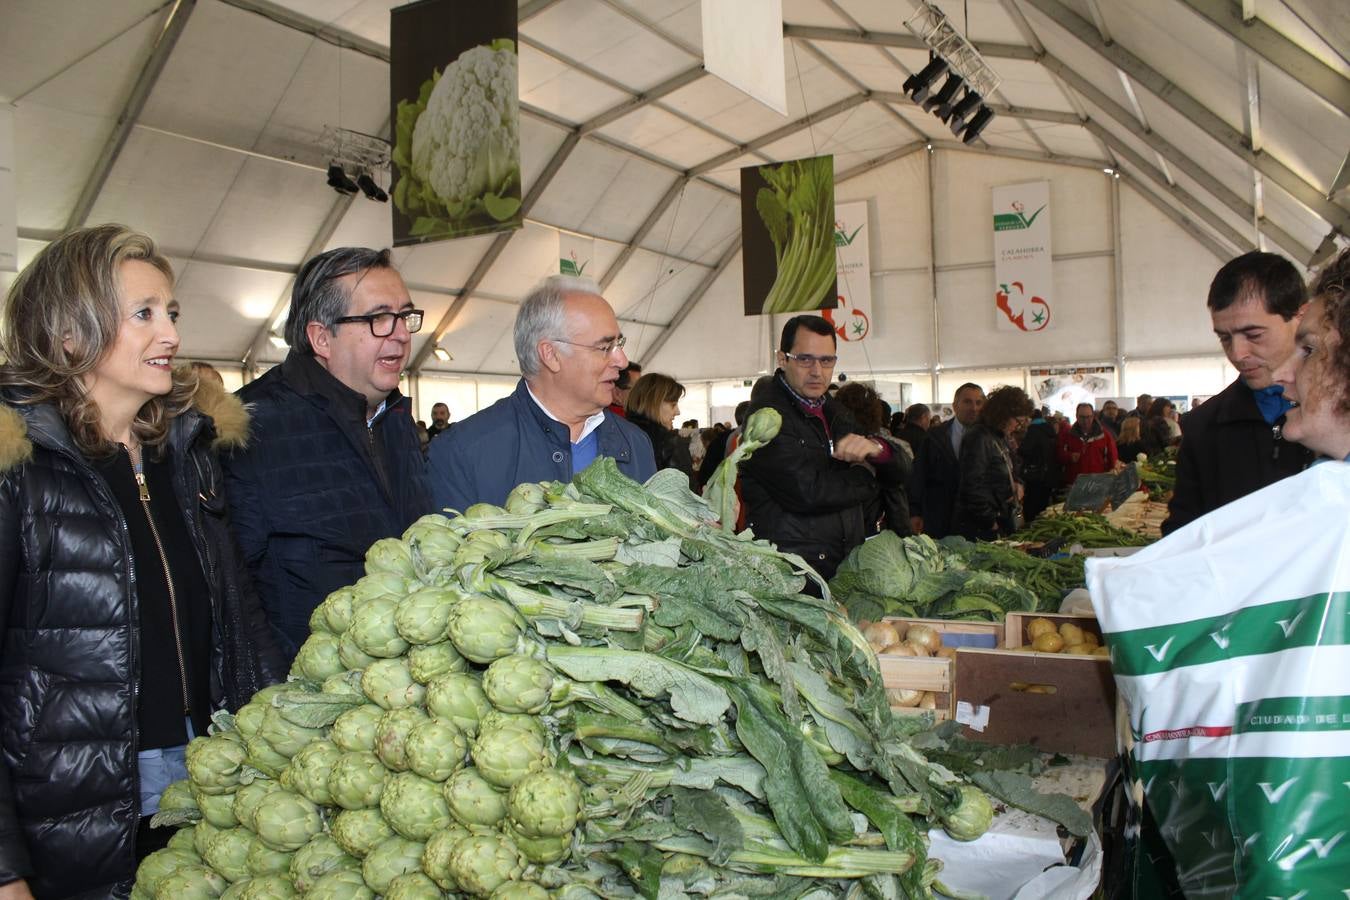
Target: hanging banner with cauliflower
453	79
787	228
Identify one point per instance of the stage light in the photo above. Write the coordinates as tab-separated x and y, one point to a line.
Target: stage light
977	123
918	86
959	112
942	100
370	188
339	181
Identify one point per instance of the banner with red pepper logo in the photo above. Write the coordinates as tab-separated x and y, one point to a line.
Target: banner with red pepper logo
852	314
1023	271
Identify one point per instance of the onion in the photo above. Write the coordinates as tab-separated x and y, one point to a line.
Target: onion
903	696
881	635
925	636
946	652
919	649
928	700
901	649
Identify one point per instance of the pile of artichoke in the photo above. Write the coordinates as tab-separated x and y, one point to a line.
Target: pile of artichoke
501	709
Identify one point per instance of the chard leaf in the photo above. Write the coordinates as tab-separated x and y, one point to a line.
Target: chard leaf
1017	790
707	813
175	818
664	553
693	697
672	486
760	638
878	806
642	864
314	710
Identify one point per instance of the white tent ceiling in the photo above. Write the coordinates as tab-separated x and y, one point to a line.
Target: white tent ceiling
198	122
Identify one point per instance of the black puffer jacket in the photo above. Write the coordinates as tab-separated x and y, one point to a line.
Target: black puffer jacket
69	666
671	450
799	496
986	503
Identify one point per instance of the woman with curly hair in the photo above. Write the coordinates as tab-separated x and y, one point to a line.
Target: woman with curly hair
126	615
989	498
1317	377
653	404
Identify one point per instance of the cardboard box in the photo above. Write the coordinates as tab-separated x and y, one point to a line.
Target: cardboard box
1056	702
934	673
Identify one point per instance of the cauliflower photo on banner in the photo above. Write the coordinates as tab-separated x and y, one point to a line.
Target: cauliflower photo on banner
457	147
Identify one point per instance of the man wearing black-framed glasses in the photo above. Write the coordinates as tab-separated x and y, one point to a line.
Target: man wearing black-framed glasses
808	488
556	422
334	462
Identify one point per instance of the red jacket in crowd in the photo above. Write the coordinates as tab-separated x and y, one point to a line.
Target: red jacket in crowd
1088	453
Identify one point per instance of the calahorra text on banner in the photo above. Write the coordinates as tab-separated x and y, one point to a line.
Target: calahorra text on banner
1023	271
852	316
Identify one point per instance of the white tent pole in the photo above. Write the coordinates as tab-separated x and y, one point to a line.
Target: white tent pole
1117	284
935	365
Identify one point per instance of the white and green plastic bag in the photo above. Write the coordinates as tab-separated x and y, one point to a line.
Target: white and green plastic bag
1230	642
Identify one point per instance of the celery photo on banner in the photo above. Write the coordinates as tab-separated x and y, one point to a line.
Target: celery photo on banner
787	220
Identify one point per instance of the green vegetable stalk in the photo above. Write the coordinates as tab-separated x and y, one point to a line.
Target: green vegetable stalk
760	428
798	210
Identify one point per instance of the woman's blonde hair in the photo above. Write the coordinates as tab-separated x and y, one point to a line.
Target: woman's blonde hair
62	315
1129	430
650	391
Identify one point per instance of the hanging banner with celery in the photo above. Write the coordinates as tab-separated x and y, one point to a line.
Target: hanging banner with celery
455	102
1023	271
787	227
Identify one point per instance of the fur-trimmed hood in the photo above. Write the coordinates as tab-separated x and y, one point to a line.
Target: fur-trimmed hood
226	411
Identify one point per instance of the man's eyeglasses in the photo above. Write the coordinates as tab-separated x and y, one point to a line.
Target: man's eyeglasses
382	323
608	348
806	360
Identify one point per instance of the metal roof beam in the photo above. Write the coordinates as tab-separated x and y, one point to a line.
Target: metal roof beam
1154	141
990	49
174	23
846	76
643	230
1196	112
494	250
778	134
651	95
691	301
1081	162
1278	50
878	162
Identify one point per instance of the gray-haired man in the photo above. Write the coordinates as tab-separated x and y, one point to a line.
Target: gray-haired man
555	423
334	462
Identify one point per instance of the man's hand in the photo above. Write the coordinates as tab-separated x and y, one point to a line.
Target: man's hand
15	890
854	448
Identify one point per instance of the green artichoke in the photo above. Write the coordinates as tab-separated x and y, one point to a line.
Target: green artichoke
545	804
263	757
374	631
481	863
227	852
317	858
357	780
435	749
389	683
412	886
430	661
392	857
340	884
318	657
458	698
378	584
526	498
506	754
972	816
202	833
287	821
519	684
391	735
214	764
352	656
358	830
414	806
539	850
355	729
160	864
283	735
433	544
496	719
183	840
234	892
474	801
346	685
483	628
337	611
247	798
176	796
310	769
218	809
249	718
268	887
193	882
390	555
520	890
436	855
422	616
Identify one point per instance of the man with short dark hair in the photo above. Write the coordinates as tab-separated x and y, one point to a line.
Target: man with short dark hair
1086	448
557	421
440	420
622	385
1109	417
334	463
936	479
1142	403
1231	444
915	430
807	488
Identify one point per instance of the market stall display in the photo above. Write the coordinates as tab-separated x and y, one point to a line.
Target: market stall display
594	690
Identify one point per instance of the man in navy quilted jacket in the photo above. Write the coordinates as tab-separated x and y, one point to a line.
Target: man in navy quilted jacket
333	463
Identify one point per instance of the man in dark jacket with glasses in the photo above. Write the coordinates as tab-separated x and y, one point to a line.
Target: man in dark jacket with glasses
334	462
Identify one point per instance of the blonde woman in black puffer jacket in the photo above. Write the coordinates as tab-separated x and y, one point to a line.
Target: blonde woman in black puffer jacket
126	616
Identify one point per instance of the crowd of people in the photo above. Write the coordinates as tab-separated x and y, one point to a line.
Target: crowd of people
163	543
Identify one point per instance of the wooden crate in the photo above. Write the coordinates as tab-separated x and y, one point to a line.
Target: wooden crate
931	673
1056	702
